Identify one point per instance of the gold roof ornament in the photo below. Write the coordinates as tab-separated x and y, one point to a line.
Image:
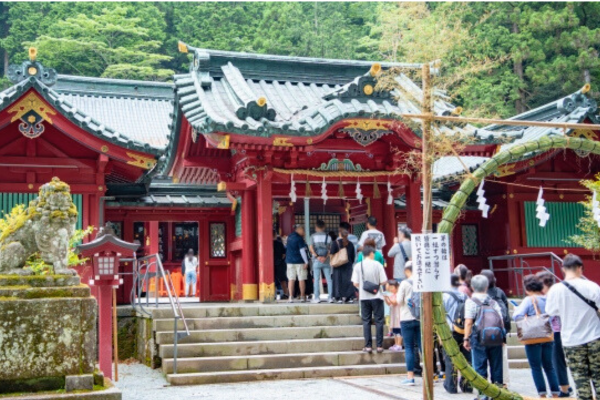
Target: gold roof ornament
375	69
262	101
32	53
182	47
586	88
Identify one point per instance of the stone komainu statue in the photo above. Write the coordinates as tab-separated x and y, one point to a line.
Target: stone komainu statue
46	227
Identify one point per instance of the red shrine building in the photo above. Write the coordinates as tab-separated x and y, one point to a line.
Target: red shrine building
247	144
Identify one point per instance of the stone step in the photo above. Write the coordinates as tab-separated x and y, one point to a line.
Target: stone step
279	361
521	363
253	310
163	325
266	347
251	334
516	352
201	378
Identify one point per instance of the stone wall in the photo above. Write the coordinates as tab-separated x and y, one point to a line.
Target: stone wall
47	331
136	337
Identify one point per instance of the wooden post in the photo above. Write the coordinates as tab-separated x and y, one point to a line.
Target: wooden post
264	219
115	337
249	264
426	302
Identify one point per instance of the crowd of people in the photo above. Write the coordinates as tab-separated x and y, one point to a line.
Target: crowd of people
557	322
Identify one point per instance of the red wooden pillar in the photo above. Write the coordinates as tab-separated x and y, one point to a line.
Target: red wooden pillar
152	238
105	358
266	273
414	214
249	264
389	230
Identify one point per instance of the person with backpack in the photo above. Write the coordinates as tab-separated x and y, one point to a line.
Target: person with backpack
498	294
464	275
575	300
410	325
454	304
538	351
484	332
320	243
401	252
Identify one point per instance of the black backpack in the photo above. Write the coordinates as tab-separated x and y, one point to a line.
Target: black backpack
458	319
489	326
495	294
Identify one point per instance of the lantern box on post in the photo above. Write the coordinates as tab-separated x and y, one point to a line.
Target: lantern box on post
105	253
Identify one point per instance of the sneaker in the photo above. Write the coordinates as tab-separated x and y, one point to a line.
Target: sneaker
408	382
303	300
330	300
563	394
395	349
351	301
290	300
340	301
285	297
315	301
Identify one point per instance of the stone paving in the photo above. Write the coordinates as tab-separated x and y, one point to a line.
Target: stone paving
139	382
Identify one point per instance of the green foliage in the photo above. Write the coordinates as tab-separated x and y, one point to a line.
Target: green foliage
589	238
12	221
109	44
39	267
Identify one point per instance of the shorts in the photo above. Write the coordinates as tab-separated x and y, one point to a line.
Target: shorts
397	331
190	278
297	271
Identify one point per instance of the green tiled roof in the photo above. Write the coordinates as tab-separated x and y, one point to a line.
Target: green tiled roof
304	96
574	108
131	114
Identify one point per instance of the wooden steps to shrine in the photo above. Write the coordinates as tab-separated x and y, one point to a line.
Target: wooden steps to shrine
250	342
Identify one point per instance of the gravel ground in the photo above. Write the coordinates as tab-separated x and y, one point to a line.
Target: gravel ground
139	382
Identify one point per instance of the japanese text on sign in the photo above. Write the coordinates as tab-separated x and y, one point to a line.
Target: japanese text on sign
431	262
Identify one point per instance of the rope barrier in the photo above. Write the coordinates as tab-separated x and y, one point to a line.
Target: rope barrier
336	174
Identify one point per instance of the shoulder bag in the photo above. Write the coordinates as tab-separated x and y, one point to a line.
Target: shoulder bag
403	252
340	258
582	297
368	286
535	329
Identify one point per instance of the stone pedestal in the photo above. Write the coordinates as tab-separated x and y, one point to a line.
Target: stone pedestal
47	332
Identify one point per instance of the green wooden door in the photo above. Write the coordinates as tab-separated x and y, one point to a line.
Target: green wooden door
562	224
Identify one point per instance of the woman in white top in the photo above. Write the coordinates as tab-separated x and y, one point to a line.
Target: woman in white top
190	264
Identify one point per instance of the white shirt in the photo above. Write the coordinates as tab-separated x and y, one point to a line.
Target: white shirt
579	322
375	235
374	272
190	265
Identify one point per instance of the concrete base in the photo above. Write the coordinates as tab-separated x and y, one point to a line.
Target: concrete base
79	382
110	393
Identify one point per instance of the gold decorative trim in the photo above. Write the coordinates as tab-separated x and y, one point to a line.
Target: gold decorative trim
282	141
368	124
141	161
249	291
309	141
505	170
232	291
31	102
584	133
182	47
368	90
104	149
267	292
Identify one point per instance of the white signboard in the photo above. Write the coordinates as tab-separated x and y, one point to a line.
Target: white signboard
431	262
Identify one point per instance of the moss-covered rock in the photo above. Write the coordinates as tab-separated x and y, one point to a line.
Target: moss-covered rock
46	333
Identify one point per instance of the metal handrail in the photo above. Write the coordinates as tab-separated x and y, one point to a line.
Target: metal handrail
524	266
159	273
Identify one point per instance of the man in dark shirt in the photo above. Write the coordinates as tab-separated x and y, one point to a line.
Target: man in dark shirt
279	263
296	258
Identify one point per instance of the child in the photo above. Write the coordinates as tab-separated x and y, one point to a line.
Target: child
390	299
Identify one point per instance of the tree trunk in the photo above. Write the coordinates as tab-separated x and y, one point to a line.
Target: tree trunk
518	70
5	62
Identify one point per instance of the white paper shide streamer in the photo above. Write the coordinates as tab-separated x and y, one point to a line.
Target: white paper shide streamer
481	200
596	208
324	191
293	195
358	191
390	199
541	212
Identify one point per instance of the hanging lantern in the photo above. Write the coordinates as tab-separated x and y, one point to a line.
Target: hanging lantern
481	200
376	192
341	193
293	195
390	198
541	214
307	191
358	191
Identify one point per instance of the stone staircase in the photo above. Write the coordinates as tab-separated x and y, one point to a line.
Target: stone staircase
250	342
